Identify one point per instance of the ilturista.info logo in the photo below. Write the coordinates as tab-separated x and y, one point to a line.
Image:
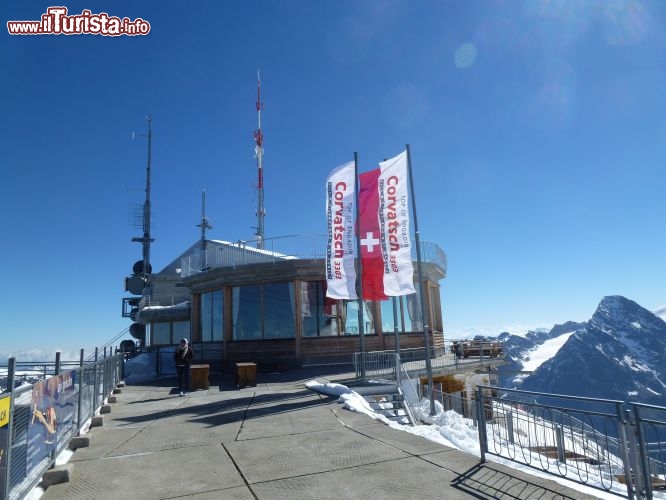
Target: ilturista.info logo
58	21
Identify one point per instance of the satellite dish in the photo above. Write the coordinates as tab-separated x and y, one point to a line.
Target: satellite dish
127	345
135	284
138	331
137	268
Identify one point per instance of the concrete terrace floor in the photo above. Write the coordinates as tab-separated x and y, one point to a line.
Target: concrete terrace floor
278	440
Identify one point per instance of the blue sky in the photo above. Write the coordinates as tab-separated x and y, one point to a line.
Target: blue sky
537	128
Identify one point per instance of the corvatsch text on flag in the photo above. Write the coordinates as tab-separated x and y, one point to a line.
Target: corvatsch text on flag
395	236
340	253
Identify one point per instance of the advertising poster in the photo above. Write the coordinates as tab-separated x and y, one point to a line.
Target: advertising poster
53	415
4	441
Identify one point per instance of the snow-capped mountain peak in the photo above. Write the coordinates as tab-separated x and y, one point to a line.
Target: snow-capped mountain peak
618	354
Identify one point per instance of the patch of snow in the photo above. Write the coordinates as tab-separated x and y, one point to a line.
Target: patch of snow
633	364
636	324
180	305
544	352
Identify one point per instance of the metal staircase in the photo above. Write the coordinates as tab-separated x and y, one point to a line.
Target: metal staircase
386	399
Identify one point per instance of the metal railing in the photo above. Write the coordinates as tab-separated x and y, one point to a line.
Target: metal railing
45	415
650	424
609	445
454	402
451	356
386	366
377	364
160	358
234	254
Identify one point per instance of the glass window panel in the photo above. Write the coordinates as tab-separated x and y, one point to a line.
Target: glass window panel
181	330
160	333
351	322
206	316
247	323
318	313
311	310
434	306
412	312
217	316
263	311
278	311
388	325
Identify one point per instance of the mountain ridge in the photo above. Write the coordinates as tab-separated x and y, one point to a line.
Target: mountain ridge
617	354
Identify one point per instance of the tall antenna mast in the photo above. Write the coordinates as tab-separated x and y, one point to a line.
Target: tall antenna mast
146	239
259	153
205	224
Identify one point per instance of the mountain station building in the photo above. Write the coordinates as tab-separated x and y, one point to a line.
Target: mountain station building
238	303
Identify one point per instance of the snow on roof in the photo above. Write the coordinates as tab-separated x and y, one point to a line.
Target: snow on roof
242	245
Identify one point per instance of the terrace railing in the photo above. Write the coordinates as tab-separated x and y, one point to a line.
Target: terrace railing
609	445
450	356
43	416
235	254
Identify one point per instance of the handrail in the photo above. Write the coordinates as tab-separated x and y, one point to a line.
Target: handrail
593	441
240	253
38	422
408	389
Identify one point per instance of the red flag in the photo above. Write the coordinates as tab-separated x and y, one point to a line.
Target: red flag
369	232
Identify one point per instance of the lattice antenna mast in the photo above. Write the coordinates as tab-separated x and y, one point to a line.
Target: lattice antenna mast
205	224
259	153
146	239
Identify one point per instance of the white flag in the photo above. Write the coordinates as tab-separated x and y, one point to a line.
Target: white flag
395	237
340	252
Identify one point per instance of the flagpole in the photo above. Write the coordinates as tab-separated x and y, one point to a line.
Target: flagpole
359	274
420	278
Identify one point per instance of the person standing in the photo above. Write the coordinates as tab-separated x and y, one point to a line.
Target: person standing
183	357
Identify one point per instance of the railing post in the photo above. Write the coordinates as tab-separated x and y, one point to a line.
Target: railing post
105	381
624	449
80	398
643	454
481	418
95	400
634	457
11	371
509	426
561	451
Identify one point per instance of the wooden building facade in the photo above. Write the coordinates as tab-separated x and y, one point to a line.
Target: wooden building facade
271	308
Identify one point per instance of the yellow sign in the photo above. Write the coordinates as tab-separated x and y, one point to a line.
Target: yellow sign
4	411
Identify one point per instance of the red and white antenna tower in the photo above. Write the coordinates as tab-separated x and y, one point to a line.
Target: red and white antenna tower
259	153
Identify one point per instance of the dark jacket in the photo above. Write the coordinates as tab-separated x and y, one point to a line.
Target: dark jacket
183	358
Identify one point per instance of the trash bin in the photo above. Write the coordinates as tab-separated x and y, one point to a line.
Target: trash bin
246	375
199	377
